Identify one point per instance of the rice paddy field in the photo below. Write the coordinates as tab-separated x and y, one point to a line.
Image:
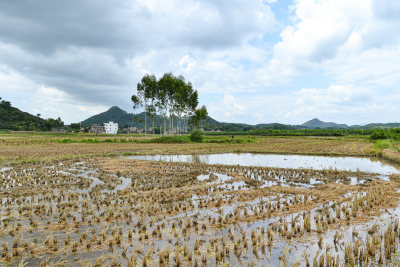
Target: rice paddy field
19	148
270	202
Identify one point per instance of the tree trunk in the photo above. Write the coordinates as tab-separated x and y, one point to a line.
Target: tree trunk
165	126
160	125
145	119
153	125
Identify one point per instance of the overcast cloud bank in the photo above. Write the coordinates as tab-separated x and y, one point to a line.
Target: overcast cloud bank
251	61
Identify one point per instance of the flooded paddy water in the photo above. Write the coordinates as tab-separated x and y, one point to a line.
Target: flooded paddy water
282	161
204	210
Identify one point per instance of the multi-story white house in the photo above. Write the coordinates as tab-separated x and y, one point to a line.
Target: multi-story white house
111	127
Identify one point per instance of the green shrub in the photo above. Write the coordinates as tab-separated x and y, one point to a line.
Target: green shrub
66	141
170	139
196	136
379	135
127	153
230	140
384	144
90	140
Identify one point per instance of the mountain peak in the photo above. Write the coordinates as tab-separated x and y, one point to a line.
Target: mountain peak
314	120
317	123
116	108
115	114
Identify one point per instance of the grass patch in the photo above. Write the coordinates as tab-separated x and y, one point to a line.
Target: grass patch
231	141
174	139
89	140
387	144
63	141
127	153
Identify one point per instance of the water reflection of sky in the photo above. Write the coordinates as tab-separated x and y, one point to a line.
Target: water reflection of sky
282	161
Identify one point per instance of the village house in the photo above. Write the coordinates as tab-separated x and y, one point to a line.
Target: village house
97	129
111	127
129	130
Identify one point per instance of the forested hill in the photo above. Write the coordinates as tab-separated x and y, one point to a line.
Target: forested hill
12	118
316	123
114	114
124	118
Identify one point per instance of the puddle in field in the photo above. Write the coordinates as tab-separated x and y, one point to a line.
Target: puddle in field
90	174
95	181
3	169
224	181
354	164
125	182
356	181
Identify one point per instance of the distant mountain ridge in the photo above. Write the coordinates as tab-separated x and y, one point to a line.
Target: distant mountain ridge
316	123
114	114
124	118
12	118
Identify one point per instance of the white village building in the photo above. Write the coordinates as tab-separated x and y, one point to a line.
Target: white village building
111	127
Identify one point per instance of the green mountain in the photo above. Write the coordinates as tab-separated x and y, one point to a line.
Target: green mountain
12	118
225	126
380	126
275	126
114	114
316	123
124	118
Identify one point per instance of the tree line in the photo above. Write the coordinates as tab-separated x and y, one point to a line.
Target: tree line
303	132
173	99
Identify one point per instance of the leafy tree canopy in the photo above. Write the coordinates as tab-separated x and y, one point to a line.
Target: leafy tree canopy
171	97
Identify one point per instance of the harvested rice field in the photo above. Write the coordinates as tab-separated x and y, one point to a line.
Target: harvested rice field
37	148
154	211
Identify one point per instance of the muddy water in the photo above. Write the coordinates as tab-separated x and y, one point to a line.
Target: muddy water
282	161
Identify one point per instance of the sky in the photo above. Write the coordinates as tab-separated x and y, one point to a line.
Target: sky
254	61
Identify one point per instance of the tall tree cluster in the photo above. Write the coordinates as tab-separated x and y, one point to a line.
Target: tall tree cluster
172	98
